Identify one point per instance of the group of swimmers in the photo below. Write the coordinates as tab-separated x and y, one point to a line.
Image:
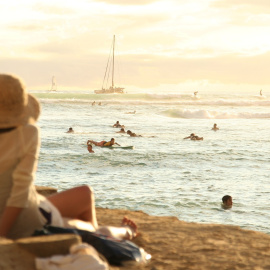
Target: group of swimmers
94	103
112	142
122	130
129	132
194	137
103	143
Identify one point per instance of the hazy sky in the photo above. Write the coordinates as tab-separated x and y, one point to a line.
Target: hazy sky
160	45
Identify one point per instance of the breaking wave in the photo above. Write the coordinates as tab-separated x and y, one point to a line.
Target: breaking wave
208	114
141	99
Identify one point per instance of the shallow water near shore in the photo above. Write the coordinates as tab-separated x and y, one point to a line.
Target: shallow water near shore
163	174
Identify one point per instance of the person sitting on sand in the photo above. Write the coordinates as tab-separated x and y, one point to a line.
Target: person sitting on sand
215	128
117	125
227	202
122	130
195	93
104	143
90	148
22	209
70	130
94	103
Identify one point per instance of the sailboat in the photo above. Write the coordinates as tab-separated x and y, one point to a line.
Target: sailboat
54	85
112	89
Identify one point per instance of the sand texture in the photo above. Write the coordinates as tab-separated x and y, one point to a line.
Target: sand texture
175	244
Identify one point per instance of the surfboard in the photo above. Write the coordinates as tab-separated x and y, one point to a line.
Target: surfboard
121	147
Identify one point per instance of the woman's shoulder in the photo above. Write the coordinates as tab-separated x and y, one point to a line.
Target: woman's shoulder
30	128
30	131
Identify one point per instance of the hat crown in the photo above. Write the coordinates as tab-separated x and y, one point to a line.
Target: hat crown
13	97
17	107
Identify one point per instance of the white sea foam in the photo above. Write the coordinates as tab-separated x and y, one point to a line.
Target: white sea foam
169	99
208	114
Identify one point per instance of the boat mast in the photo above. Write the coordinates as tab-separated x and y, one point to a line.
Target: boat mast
113	62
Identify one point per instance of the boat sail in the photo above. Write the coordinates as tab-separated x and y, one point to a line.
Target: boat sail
112	89
54	85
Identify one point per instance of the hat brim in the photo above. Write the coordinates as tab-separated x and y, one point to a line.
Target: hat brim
32	109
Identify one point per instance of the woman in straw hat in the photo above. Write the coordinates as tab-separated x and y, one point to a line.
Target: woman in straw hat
22	209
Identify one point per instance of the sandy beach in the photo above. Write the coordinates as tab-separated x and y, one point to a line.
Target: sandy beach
174	244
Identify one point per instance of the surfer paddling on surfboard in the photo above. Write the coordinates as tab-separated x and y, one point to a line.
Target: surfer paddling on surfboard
104	143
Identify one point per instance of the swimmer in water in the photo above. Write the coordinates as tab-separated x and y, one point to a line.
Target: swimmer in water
117	125
215	128
122	130
194	137
227	202
190	136
132	134
131	112
104	143
90	148
70	130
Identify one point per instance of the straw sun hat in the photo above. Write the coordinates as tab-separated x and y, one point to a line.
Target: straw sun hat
17	107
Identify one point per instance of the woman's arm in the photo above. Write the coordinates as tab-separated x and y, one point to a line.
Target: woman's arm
8	218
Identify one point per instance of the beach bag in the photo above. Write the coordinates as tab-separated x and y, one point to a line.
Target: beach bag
116	251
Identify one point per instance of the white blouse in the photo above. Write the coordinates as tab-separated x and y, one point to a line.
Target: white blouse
19	151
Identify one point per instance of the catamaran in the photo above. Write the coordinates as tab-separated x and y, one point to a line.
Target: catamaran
112	89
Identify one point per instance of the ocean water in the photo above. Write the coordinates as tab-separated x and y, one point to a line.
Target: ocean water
164	174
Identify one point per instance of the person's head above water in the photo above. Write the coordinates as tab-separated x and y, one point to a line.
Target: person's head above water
90	148
70	130
227	201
